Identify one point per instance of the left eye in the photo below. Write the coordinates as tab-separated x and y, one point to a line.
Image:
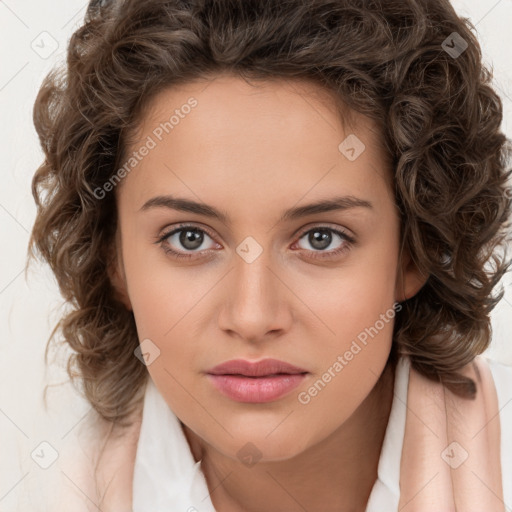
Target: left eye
321	238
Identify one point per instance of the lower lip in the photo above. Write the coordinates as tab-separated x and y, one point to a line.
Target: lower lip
256	389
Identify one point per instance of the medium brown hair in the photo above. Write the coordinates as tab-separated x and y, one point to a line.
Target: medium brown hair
387	59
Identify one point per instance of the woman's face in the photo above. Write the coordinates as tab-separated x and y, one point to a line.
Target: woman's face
256	271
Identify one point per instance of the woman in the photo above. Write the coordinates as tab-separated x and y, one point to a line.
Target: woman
279	225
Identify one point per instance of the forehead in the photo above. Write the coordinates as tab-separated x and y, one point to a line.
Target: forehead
280	138
227	101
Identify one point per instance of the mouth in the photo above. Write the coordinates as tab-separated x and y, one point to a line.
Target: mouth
256	382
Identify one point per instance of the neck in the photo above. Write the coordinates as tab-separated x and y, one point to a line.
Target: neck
343	467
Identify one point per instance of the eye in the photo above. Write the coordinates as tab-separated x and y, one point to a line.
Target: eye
193	239
322	237
186	238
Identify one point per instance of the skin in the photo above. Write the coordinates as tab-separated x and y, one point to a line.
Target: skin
254	151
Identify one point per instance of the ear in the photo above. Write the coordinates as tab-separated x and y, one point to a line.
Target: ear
409	279
116	273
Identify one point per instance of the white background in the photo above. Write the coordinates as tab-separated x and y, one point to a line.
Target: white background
29	310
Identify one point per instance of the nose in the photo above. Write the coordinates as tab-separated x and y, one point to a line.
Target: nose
256	302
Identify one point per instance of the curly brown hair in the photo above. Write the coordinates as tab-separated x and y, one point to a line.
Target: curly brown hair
395	61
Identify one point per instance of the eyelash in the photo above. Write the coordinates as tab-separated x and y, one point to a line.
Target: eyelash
330	254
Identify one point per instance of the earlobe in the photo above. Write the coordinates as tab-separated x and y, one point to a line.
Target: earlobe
409	278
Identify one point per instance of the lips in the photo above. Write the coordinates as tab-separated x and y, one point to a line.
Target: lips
266	367
258	382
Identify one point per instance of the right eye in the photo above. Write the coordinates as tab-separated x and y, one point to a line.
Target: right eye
189	237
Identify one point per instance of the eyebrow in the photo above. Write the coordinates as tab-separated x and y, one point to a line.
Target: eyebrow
322	206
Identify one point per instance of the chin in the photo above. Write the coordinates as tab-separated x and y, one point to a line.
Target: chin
257	445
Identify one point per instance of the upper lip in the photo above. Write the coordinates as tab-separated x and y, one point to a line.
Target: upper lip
255	369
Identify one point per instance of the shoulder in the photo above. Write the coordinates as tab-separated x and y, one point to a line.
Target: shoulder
115	465
97	465
502	377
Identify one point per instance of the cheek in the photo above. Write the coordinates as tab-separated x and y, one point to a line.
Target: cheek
357	344
161	293
168	306
358	307
354	354
354	297
165	304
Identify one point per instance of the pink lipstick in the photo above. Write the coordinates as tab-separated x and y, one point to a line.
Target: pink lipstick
256	382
